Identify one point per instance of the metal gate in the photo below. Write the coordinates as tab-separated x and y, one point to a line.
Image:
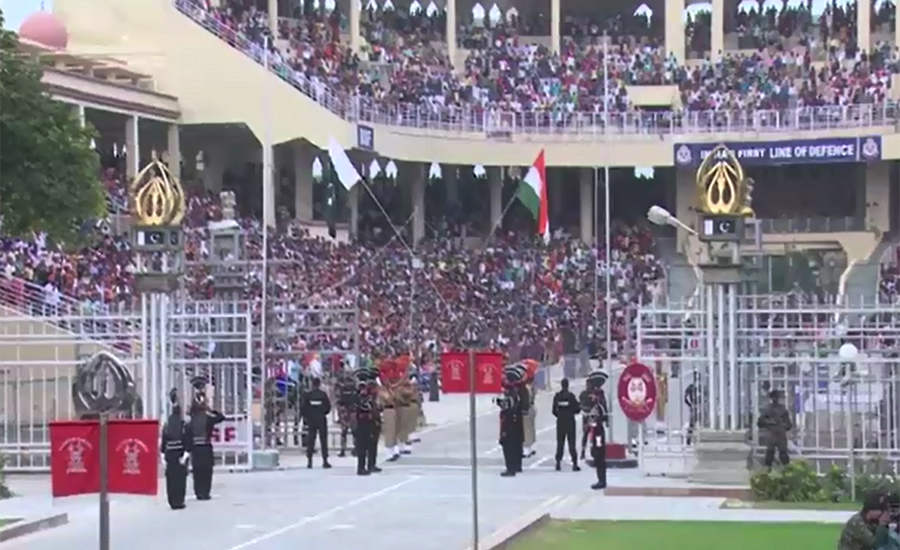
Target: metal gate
211	340
38	359
165	346
719	357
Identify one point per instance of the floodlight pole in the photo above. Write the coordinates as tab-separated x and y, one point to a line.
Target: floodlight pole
473	442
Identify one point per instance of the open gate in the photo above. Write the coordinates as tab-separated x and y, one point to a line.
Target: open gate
719	357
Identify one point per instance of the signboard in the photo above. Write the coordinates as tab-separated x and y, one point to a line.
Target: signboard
795	151
637	392
365	137
233	431
133	452
455	372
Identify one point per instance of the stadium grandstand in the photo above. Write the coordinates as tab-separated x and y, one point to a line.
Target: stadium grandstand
442	109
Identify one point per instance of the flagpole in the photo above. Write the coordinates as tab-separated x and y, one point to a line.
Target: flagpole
267	200
606	201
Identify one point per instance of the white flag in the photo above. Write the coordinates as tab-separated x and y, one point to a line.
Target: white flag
344	169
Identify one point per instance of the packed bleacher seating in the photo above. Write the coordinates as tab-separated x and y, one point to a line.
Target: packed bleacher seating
404	75
513	292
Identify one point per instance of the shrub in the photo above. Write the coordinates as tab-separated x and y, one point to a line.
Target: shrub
4	490
799	482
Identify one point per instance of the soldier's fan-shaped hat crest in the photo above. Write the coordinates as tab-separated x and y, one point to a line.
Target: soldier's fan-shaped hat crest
597	378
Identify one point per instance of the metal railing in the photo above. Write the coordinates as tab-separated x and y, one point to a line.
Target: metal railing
496	122
811	225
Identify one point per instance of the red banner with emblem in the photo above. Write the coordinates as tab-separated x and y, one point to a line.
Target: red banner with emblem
74	458
488	372
133	456
133	452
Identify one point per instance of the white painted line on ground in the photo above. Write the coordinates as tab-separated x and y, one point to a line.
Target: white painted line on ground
538	463
543	430
324	515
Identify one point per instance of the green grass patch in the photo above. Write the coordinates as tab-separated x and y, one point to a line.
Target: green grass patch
6	522
678	535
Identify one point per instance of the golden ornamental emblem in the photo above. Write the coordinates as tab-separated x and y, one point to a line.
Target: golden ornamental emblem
157	198
721	184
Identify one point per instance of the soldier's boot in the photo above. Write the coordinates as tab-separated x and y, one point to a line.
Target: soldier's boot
507	473
326	465
558	467
342	453
309	462
575	468
598	486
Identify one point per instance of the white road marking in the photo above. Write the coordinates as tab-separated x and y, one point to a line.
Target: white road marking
538	463
324	515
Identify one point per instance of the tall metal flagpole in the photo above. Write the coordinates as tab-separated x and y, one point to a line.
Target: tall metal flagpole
606	201
268	189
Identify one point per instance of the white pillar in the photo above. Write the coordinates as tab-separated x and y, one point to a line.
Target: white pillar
269	185
273	18
420	173
555	26
132	146
586	197
718	29
213	169
355	33
353	199
897	32
675	28
174	151
79	112
451	31
495	181
864	25
303	182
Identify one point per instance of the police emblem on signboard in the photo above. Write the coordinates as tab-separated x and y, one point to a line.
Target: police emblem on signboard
870	149
722	187
683	156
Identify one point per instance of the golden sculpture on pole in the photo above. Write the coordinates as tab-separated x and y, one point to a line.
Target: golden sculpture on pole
156	196
722	186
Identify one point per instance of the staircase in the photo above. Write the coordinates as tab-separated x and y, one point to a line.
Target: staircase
681	277
722	458
861	283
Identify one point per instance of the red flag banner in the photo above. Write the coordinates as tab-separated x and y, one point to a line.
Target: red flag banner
133	457
455	372
74	458
488	372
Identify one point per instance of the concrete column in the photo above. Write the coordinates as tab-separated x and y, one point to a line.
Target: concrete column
419	176
213	169
718	29
555	26
132	146
451	31
586	196
80	114
495	183
355	33
273	18
864	25
353	199
174	151
303	182
675	28
452	182
268	185
897	32
877	195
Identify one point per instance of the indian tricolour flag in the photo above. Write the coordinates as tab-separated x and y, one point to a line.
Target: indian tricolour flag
533	194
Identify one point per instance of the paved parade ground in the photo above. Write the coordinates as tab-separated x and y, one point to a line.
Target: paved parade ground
422	502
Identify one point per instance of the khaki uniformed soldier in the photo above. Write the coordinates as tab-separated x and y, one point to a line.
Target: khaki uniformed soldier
407	415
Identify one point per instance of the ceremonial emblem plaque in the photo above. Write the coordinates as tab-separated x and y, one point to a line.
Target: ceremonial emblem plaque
637	392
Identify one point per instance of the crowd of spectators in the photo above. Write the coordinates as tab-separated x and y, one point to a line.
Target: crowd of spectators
512	293
404	63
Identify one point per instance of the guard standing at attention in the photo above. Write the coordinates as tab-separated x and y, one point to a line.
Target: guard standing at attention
365	412
599	416
565	409
315	409
175	447
511	420
585	403
203	421
775	421
346	403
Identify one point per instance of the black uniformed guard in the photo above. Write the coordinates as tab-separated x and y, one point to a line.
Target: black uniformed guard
690	401
565	409
315	409
203	420
599	416
775	422
365	412
346	403
175	446
512	429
